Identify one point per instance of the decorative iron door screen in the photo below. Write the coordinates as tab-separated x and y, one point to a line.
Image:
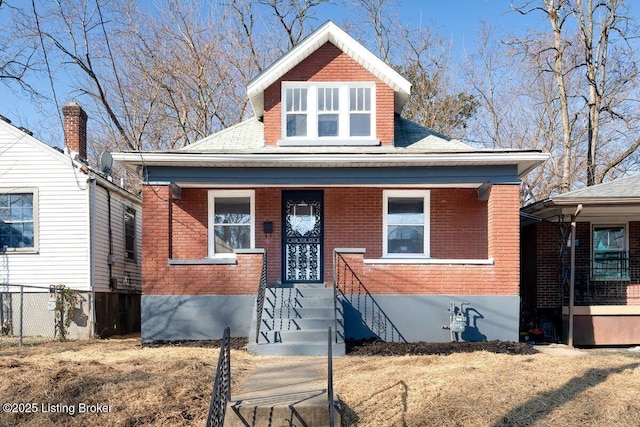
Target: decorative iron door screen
302	237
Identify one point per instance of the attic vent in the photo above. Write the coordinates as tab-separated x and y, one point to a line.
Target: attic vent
25	130
4	119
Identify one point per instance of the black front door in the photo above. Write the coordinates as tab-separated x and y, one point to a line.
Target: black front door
302	236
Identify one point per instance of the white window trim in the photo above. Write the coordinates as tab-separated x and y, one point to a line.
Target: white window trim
212	195
312	137
606	224
425	195
36	222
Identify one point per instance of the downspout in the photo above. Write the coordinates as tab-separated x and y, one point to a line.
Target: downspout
92	254
110	257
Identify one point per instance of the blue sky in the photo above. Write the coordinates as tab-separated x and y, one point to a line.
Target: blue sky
457	20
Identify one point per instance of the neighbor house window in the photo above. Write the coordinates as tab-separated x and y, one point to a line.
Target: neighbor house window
130	233
18	220
406	223
328	112
231	221
610	255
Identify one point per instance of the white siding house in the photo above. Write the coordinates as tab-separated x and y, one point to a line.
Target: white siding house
64	223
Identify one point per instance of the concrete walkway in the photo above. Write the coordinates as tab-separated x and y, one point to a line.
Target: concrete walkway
287	391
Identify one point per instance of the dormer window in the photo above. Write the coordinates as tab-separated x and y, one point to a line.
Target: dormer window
330	113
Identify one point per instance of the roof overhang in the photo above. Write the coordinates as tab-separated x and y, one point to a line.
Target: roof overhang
562	209
524	161
328	32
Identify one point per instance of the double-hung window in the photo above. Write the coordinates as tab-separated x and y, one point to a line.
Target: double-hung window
360	111
296	111
406	223
18	220
328	113
609	251
231	221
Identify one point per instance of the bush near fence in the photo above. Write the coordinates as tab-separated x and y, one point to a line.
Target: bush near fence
28	315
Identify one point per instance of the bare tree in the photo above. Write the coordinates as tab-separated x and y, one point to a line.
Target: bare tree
520	106
17	52
585	34
292	16
599	23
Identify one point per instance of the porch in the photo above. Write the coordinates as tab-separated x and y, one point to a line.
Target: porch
448	245
606	280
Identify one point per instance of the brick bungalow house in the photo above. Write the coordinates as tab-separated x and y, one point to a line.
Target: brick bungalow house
329	184
607	264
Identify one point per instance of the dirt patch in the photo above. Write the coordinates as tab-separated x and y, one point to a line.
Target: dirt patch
236	343
381	348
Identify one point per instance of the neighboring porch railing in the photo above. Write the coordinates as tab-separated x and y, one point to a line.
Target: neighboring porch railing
611	281
260	298
353	290
221	393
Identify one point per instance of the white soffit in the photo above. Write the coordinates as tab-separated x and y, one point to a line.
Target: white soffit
328	32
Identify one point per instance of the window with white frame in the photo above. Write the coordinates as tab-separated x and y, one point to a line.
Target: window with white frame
18	220
405	223
231	221
328	111
360	111
610	258
296	111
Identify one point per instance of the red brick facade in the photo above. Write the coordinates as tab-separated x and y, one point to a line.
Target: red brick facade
461	227
160	278
329	64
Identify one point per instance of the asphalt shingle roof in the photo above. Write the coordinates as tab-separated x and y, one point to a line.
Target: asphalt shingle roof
248	136
245	135
623	188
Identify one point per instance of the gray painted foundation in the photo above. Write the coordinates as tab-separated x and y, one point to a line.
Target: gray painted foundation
421	317
413	317
194	317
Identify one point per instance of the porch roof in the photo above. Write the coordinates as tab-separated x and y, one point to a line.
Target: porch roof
415	147
340	158
618	198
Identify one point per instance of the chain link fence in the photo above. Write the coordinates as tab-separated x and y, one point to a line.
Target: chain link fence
33	314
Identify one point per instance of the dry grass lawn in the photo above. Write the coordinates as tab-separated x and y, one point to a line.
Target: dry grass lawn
171	386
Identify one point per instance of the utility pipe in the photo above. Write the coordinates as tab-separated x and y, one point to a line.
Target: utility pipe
572	279
92	254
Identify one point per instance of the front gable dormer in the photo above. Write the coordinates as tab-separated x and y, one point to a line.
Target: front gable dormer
328	91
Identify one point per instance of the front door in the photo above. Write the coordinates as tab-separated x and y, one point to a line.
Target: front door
302	236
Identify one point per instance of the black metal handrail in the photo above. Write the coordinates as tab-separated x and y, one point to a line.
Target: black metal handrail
330	378
610	280
347	282
260	298
221	393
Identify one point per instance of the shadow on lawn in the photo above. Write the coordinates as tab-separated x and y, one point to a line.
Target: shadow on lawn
531	411
350	417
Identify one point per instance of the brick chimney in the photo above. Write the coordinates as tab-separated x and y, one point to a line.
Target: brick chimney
75	129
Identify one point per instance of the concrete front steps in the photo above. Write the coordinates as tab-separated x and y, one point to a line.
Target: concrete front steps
295	322
284	392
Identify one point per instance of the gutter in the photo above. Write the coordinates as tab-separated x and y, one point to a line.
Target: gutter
525	160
